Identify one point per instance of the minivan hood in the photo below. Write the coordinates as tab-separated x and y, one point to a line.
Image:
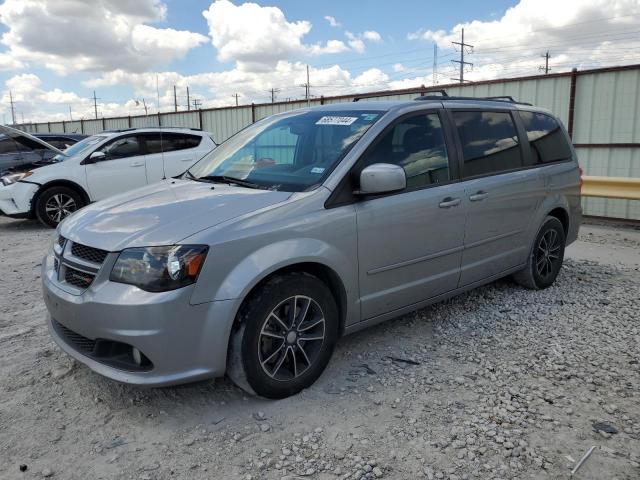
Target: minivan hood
163	213
28	140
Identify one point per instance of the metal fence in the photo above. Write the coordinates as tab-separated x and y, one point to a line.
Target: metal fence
599	107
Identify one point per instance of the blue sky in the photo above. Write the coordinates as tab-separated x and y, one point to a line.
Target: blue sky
54	53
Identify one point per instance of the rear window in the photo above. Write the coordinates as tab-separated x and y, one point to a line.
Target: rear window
546	139
489	142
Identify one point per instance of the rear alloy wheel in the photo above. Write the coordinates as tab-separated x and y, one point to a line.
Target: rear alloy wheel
57	203
286	336
545	258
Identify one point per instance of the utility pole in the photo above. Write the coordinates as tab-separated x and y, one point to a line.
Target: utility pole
461	61
546	68
236	95
308	88
70	115
95	104
175	99
435	63
273	94
188	101
13	108
196	104
22	114
144	104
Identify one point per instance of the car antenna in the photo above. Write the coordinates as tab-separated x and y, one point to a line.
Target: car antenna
164	173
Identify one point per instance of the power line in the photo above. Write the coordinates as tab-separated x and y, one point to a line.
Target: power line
461	61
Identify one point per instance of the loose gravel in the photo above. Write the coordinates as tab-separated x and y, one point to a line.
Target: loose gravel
499	383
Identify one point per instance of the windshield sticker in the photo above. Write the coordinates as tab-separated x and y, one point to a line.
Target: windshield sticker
369	116
336	120
317	170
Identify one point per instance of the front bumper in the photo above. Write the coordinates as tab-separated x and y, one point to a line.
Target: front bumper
183	342
15	199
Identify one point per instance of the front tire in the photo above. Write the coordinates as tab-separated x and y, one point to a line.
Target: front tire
287	332
57	203
546	256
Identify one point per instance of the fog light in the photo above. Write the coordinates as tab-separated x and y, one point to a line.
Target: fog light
137	357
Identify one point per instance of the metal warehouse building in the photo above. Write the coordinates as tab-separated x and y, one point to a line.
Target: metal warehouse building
599	108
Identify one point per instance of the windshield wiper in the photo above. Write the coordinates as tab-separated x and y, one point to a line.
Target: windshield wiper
226	179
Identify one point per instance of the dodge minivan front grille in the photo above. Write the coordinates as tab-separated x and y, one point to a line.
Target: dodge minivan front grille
90	254
75	264
78	278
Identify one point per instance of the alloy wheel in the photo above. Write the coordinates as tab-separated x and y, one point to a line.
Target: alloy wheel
291	338
548	253
60	206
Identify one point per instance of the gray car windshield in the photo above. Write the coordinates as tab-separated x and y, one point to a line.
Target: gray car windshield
292	152
78	148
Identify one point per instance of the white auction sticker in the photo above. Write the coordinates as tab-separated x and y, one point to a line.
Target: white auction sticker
336	120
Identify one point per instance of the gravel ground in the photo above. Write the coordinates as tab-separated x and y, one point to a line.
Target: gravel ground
499	383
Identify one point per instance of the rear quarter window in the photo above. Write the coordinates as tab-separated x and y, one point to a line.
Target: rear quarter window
547	141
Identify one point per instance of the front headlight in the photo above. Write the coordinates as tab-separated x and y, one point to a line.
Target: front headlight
14	177
159	269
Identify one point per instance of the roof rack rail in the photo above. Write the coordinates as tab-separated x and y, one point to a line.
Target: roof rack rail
501	98
356	98
164	127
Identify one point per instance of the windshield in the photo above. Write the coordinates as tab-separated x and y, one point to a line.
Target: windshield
292	152
79	148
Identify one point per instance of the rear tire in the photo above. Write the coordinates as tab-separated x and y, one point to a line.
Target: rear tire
545	258
287	332
57	203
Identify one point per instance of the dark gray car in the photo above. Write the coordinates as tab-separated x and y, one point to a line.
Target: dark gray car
19	153
306	226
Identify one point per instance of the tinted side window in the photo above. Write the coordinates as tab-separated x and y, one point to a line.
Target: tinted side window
122	148
489	142
7	145
152	140
170	142
178	141
416	144
546	139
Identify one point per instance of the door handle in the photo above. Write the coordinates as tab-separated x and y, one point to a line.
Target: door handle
186	160
137	164
476	197
449	202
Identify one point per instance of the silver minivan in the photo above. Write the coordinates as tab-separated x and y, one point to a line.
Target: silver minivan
306	226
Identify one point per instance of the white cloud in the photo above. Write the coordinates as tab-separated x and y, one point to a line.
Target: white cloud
75	35
577	33
256	38
398	67
372	36
332	21
8	62
355	42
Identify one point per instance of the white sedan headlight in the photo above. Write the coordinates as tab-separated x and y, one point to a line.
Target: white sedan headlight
14	177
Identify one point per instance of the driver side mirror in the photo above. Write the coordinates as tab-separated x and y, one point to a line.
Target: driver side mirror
382	178
96	157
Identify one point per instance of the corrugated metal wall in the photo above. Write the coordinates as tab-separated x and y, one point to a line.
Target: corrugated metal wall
606	128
